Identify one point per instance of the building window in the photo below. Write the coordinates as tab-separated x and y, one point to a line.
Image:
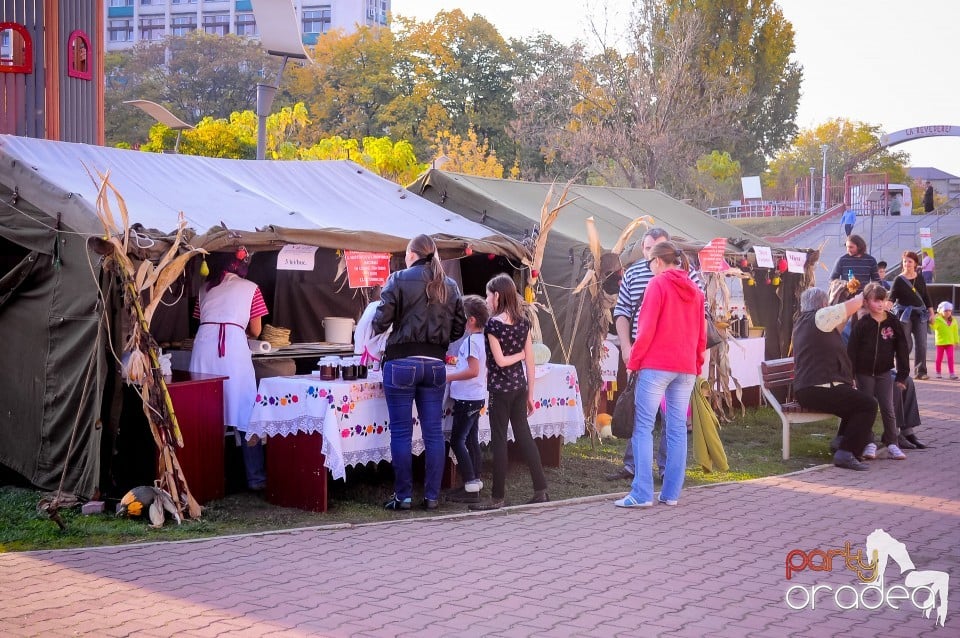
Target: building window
78	56
246	24
184	1
121	3
120	30
16	48
216	24
184	25
316	20
152	28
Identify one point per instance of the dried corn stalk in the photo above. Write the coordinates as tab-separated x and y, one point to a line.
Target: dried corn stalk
143	367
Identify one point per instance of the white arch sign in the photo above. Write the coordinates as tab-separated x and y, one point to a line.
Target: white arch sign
907	134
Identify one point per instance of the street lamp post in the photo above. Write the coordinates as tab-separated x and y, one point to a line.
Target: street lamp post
823	188
812	173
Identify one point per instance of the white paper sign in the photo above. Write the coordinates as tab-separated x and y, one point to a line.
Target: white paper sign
795	261
751	187
764	256
296	257
926	239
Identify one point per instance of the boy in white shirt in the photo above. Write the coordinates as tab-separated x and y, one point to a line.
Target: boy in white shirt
468	389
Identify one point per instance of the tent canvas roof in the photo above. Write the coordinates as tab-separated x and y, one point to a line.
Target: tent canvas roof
612	208
313	202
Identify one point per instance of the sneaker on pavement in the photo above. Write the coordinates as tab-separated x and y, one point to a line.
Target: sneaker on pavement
954	377
870	452
895	453
473	486
939	376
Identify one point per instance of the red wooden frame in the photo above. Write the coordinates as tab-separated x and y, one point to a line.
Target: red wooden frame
72	67
27	64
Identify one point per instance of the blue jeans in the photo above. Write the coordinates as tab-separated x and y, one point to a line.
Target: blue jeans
420	380
630	466
652	386
465	437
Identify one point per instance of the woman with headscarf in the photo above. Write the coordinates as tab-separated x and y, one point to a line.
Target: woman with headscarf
425	309
668	353
230	310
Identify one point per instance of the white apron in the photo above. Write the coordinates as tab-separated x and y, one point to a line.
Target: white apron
224	315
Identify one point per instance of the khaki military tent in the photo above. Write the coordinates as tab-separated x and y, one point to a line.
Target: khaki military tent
54	363
513	208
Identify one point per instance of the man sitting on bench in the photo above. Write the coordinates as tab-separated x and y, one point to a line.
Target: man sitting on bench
823	380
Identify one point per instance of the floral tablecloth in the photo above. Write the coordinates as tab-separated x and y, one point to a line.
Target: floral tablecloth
352	415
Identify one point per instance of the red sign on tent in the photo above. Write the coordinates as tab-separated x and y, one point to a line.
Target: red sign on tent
711	257
367	269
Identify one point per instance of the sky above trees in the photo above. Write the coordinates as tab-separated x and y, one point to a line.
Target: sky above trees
876	61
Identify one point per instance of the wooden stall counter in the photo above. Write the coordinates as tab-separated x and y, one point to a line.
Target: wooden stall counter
198	403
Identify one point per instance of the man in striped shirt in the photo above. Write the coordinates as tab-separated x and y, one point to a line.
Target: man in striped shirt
630	297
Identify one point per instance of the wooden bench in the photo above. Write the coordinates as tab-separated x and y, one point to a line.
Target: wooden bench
778	374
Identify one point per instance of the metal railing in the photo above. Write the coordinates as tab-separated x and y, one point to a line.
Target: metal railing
762	209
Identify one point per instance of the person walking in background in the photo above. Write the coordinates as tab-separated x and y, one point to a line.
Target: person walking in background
856	263
667	355
946	337
847	220
895	204
877	342
425	309
468	389
882	272
912	304
509	346
927	267
928	198
823	379
230	310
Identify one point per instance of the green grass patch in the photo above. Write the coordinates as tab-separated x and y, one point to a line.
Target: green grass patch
752	444
765	226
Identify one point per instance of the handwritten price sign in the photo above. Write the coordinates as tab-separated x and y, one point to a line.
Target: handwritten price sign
296	257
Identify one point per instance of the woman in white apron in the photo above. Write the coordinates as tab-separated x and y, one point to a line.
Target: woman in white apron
229	309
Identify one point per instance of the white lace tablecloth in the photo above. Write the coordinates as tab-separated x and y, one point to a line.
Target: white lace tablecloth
352	416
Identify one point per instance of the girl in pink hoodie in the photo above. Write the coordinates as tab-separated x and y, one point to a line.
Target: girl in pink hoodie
668	355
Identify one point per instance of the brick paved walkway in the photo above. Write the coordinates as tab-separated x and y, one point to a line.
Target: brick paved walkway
714	566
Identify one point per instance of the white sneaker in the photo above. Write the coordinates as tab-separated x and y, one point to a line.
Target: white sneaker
473	486
870	452
895	452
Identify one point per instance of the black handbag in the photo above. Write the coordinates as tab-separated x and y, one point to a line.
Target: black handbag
713	335
621	421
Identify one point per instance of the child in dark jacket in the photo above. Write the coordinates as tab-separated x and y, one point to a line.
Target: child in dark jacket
877	341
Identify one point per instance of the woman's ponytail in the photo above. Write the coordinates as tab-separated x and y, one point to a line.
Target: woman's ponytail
426	249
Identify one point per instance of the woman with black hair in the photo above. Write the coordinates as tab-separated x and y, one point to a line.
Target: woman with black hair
230	310
425	309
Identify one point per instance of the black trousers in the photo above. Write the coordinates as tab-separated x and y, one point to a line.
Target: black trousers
510	408
857	411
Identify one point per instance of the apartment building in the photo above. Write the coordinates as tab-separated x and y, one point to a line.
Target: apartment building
131	21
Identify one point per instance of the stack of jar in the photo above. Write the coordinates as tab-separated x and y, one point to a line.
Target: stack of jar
739	323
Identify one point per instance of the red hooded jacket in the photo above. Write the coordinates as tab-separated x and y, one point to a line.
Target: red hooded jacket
671	328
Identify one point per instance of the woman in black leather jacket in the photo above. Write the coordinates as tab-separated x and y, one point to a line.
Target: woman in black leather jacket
426	311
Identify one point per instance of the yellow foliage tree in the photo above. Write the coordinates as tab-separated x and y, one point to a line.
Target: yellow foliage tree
469	156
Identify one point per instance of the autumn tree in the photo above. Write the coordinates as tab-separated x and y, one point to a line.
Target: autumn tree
847	145
456	73
716	178
643	116
543	101
468	155
197	75
750	44
350	85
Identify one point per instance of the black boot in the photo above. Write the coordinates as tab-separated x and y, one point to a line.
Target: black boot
916	443
904	442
